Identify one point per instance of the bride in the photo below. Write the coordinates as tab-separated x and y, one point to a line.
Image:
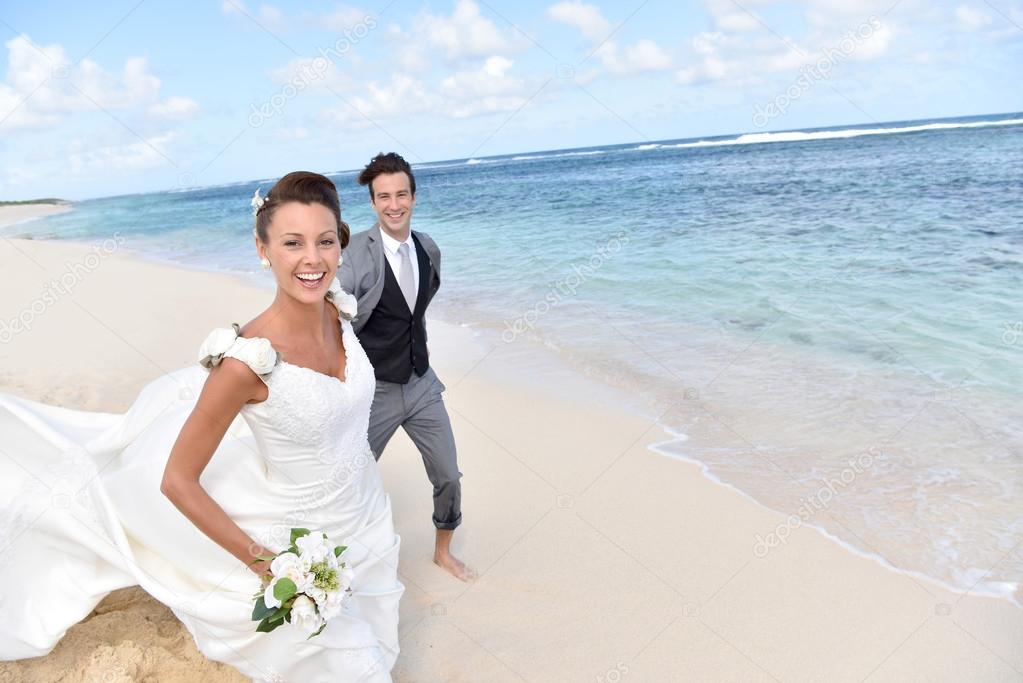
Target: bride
81	510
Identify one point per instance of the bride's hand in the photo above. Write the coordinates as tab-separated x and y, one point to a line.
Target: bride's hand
261	567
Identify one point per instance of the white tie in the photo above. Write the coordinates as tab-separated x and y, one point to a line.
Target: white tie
405	281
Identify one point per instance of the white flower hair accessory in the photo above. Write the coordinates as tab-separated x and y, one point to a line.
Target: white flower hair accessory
257	202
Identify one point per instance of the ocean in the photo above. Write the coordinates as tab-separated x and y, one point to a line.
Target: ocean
828	320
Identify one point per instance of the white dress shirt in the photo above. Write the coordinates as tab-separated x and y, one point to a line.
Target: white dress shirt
391	253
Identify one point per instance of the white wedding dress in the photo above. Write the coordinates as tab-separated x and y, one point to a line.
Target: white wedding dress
81	514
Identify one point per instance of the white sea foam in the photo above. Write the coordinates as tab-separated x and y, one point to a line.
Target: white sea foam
805	136
972	581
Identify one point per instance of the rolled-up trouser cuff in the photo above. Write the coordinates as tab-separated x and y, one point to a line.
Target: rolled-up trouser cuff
448	525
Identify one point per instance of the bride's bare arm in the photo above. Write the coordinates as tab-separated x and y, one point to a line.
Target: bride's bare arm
230	386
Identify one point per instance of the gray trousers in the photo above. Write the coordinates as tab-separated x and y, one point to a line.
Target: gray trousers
418	407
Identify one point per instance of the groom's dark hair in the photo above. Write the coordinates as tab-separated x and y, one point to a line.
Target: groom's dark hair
386	163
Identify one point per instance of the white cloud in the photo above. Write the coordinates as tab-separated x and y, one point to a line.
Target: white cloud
409	54
643	55
135	156
874	45
487	89
484	89
43	86
835	34
344	18
971	18
311	74
587	18
267	16
464	34
292	134
402	95
729	17
175	108
717	56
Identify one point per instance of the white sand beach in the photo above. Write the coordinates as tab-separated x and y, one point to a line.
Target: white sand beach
599	559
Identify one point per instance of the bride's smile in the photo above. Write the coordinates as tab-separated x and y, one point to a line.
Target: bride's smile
311	280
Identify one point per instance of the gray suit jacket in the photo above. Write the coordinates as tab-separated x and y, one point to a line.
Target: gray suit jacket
362	272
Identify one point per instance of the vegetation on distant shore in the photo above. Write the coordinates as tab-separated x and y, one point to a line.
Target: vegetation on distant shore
46	200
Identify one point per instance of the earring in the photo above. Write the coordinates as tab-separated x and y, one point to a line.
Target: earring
340	260
265	262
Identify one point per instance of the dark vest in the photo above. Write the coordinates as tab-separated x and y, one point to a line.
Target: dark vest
394	337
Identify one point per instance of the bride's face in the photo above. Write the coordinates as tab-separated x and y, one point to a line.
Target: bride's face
303	249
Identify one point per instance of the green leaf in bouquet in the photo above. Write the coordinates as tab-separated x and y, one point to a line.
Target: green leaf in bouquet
340	549
284	589
297	534
266	625
318	631
260	610
262	558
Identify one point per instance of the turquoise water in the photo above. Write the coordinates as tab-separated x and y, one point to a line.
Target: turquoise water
791	301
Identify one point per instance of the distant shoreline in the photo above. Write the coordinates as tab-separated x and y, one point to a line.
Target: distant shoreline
24	202
22	211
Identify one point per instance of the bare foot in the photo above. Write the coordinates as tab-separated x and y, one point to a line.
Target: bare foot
443	558
454	566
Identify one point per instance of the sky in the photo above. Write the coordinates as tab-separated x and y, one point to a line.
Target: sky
100	99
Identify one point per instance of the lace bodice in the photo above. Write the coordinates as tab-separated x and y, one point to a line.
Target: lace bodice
311	424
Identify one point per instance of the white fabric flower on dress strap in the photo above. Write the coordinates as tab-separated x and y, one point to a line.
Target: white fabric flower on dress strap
255	352
212	351
257	202
347	305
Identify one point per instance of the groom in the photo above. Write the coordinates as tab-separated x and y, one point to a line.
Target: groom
394	273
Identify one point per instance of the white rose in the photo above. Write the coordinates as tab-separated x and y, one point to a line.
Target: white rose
313	548
318	595
303	615
331	606
258	354
291	566
212	351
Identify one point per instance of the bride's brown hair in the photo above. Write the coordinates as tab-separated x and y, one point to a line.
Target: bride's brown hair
305	187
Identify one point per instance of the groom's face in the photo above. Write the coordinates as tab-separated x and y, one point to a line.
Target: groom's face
393	201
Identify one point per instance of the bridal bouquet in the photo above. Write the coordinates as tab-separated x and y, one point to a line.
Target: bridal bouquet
309	584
